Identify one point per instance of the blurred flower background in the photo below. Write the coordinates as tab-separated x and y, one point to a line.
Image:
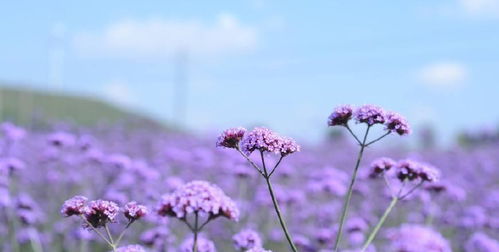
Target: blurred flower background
123	100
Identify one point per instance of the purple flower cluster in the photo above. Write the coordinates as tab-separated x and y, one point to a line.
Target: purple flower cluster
247	239
370	115
411	170
265	140
396	123
198	197
340	116
381	165
416	238
74	206
480	242
134	211
230	138
100	212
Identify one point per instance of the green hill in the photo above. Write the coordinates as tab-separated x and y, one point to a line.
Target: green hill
28	106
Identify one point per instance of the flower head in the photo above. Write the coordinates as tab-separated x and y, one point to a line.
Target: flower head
340	116
134	211
74	206
396	123
370	114
288	146
247	239
12	132
380	165
100	212
480	242
230	138
61	139
265	140
415	238
412	170
198	197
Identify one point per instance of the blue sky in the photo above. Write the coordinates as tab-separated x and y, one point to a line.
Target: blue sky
281	64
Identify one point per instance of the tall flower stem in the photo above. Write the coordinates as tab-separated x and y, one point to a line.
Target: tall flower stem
348	197
373	233
276	206
195	230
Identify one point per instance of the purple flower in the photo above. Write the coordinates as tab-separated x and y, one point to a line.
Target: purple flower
381	165
370	114
428	173
12	132
198	197
265	140
480	242
203	245
412	170
396	123
61	139
100	212
230	138
131	248
415	238
288	146
247	239
74	206
340	116
134	211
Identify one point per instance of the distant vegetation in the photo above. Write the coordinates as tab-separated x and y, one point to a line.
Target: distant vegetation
34	107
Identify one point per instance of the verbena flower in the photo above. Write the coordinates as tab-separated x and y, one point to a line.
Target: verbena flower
198	197
131	248
203	245
381	165
74	206
12	132
230	138
265	140
61	139
415	238
340	116
412	170
134	211
370	114
100	212
480	242
396	123
247	239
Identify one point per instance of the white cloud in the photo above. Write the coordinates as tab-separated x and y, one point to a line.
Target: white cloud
119	93
153	38
480	7
444	74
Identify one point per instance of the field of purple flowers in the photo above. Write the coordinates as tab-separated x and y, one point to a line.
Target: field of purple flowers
143	189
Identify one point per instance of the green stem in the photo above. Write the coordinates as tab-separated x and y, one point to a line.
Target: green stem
279	215
373	233
195	241
346	203
275	203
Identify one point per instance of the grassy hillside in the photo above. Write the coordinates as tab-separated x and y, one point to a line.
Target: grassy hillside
27	106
